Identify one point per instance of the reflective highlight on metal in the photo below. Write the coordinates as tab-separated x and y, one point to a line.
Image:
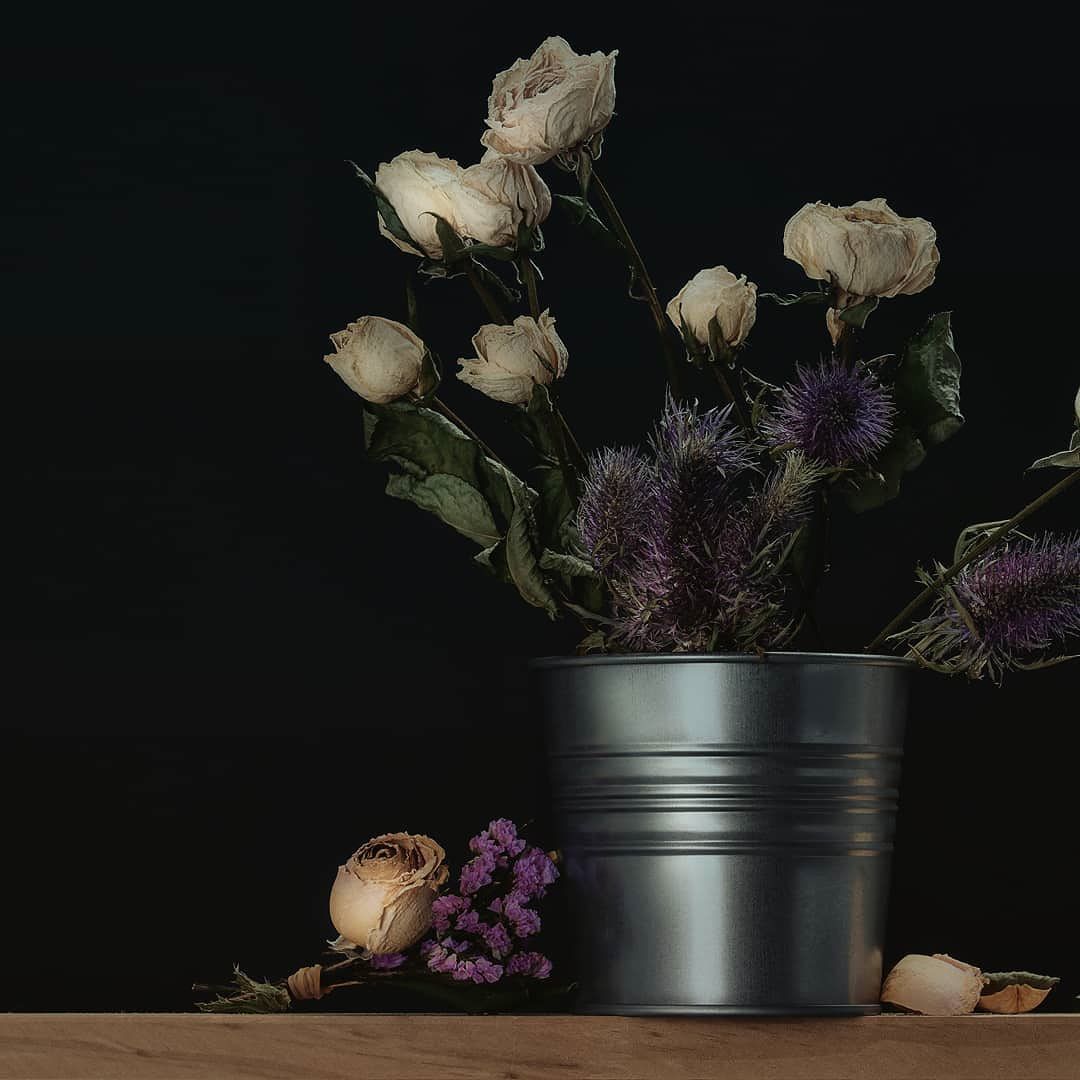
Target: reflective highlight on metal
727	826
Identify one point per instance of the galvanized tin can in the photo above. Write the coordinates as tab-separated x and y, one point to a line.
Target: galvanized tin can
727	827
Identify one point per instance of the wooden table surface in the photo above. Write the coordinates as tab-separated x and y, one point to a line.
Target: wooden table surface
152	1046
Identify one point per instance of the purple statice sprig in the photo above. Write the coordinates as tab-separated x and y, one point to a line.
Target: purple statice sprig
834	414
1008	610
478	931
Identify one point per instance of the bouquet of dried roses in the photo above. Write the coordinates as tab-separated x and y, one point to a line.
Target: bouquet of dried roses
713	537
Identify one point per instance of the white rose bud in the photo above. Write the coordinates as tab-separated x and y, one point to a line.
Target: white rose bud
378	358
512	359
497	196
381	899
716	292
865	250
550	103
419	186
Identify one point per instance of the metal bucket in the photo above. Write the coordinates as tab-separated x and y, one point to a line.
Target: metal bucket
727	826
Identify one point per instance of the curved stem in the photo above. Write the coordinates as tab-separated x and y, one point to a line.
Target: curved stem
659	318
528	276
440	406
491	305
973	553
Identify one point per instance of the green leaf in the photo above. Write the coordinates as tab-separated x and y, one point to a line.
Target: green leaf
452	245
423	443
523	564
386	210
594	642
568	565
581	213
927	395
903	453
1001	979
927	386
451	500
972	535
857	314
817	296
494	560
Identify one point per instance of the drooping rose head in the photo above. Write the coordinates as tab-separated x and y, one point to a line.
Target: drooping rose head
511	360
865	250
716	293
419	186
495	197
380	359
381	899
550	103
485	202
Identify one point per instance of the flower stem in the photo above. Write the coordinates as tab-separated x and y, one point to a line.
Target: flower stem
659	318
528	275
491	305
440	406
973	553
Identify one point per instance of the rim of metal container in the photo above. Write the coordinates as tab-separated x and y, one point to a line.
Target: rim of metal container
855	659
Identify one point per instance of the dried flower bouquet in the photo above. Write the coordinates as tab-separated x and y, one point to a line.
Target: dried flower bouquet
712	537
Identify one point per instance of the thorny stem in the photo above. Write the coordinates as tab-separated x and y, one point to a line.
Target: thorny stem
973	553
659	318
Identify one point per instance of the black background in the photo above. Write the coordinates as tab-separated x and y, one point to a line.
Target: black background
229	660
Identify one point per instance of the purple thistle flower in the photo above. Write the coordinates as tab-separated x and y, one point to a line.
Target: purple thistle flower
533	964
388	961
1004	610
533	872
615	506
834	414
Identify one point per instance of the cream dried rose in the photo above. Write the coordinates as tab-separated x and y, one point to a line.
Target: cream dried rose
381	899
419	186
550	103
511	360
497	196
864	250
716	292
380	359
485	202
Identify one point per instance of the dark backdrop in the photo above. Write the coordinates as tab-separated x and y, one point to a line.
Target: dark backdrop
229	660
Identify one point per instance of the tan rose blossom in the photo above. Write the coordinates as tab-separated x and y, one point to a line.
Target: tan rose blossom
864	250
552	102
716	292
381	899
378	358
511	360
934	985
419	185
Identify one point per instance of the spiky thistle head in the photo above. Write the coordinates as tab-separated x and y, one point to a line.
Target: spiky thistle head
1004	611
834	414
616	502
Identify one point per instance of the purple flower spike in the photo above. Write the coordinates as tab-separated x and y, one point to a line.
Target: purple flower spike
834	414
497	940
468	922
504	833
1005	610
444	908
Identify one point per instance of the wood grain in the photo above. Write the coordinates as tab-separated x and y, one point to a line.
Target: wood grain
378	1046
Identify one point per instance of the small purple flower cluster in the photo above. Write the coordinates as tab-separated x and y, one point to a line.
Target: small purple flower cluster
478	929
